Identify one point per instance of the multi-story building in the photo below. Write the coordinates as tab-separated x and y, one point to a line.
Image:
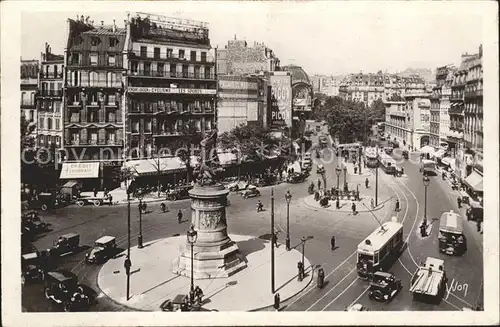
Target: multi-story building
473	107
50	99
29	85
237	58
408	122
93	111
302	92
241	101
327	85
171	84
435	116
444	107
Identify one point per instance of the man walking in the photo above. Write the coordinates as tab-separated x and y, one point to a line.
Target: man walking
179	216
332	242
459	202
372	203
319	184
397	205
353	207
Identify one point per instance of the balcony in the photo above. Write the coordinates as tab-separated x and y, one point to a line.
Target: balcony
51	75
456	97
75	104
170	57
27	105
171	75
50	93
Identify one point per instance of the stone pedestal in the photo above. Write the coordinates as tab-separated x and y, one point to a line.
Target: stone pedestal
215	254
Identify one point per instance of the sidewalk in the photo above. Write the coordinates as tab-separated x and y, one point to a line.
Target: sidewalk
120	196
152	280
345	205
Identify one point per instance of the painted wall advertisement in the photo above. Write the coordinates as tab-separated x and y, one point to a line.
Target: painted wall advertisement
280	113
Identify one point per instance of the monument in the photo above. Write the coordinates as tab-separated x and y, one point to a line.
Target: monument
215	255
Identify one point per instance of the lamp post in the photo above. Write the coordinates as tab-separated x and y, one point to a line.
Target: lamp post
338	171
345	176
192	235
376	184
426	182
272	240
128	239
288	198
139	238
303	241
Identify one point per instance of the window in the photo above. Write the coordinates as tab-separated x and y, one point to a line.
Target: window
55	71
113	42
93	138
147	68
134	66
23	94
207	72
203	57
181	54
94	79
135	127
111	60
49	123
93	59
193	55
111	99
160	68
94	41
75	59
147	125
42	121
144	51
57	124
169	53
111	138
32	115
157	53
57	107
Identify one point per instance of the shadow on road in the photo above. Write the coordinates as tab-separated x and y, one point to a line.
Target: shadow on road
251	245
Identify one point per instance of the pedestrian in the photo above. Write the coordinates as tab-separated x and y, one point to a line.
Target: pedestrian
179	216
459	202
366	182
319	184
110	197
337	203
332	242
198	293
397	206
478	222
95	192
353	207
372	203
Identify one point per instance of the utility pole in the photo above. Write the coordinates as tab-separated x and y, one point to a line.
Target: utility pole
272	240
128	240
376	185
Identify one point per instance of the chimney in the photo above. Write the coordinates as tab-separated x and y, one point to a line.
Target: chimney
102	23
480	51
114	26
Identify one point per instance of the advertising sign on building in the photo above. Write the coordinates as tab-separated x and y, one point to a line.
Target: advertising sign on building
138	89
280	113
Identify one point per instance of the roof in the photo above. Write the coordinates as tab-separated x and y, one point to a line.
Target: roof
105	239
427	279
298	74
29	256
70	235
451	222
379	237
382	274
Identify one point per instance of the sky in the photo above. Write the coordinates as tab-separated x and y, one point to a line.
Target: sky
321	36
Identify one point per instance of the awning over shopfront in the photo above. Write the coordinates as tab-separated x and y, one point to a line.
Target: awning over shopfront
439	154
79	170
475	181
448	162
427	149
163	165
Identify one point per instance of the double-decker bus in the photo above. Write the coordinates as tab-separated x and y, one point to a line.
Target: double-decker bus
380	249
387	163
371	157
451	234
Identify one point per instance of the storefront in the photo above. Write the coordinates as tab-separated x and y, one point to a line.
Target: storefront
86	174
474	183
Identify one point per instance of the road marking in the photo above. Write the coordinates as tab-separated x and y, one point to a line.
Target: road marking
460	299
453	305
303	294
401	262
333	289
413	226
359	297
340	294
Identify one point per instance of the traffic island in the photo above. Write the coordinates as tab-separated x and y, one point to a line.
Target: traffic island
345	204
153	282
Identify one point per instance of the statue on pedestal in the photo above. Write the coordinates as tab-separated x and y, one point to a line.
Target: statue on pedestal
209	171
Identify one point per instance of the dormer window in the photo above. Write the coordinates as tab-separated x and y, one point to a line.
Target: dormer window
94	41
113	42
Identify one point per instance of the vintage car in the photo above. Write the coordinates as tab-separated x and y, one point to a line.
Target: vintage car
250	192
31	220
179	303
31	267
266	180
384	286
67	243
320	169
388	150
356	307
62	287
178	193
296	178
237	186
406	154
104	249
474	212
44	202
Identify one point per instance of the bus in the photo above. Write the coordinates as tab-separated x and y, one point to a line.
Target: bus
387	163
371	157
427	166
451	234
380	249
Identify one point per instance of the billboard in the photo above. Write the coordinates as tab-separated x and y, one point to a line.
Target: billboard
280	110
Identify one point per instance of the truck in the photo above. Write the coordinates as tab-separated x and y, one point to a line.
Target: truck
428	283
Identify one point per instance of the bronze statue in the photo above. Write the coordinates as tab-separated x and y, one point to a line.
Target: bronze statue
209	170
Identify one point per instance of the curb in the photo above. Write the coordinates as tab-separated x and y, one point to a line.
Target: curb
288	298
377	208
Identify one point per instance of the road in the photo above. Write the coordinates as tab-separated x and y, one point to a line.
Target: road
343	287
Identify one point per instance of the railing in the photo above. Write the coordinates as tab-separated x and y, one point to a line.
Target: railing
89	84
151	73
93	142
27	105
50	93
50	75
151	55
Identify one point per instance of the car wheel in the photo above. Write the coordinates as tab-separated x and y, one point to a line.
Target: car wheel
44	207
377	295
47	293
67	307
80	203
97	203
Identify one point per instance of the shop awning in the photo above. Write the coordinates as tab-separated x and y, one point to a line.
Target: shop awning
439	153
159	165
70	184
427	149
448	161
475	181
79	170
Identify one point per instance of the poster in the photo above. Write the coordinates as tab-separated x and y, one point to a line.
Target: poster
280	113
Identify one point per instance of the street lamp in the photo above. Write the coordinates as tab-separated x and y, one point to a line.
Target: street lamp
426	182
139	238
338	171
345	176
288	198
192	235
272	240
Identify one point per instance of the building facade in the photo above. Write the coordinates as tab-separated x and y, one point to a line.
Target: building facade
473	107
241	101
327	85
302	92
237	58
29	85
435	117
444	107
93	110
50	100
171	84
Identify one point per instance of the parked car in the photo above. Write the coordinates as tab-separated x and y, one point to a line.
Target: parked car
45	201
31	220
104	249
67	243
250	192
178	193
237	186
474	212
384	286
179	303
62	287
296	178
31	268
